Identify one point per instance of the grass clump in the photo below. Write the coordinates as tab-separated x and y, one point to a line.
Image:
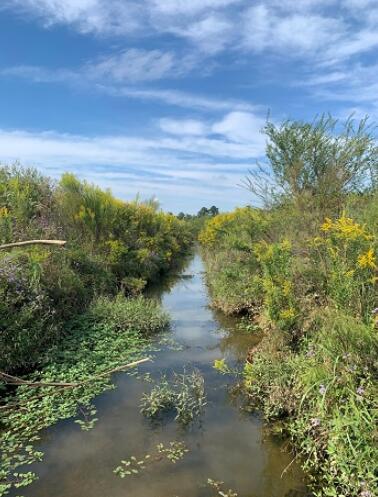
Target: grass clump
184	394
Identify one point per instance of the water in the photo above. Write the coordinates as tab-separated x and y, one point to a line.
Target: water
226	444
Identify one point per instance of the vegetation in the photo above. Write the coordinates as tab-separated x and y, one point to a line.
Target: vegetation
110	333
303	267
195	222
173	453
112	246
184	395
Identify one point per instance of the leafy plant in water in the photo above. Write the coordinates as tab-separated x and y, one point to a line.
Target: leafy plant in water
185	394
218	487
174	452
110	333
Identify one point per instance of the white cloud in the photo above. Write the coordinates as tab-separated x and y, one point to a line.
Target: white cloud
126	66
293	34
183	126
163	150
212	33
198	166
185	7
241	127
133	65
98	16
324	30
177	98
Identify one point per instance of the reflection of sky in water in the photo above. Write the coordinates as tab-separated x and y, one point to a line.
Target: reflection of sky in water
225	444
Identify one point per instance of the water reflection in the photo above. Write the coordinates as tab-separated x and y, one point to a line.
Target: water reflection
225	444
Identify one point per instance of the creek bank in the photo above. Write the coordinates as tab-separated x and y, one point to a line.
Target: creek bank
225	443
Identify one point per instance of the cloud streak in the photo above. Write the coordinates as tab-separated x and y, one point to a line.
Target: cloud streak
206	157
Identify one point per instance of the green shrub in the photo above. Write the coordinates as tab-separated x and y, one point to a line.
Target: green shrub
112	246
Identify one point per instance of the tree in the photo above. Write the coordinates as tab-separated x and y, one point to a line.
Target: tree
315	164
214	211
203	212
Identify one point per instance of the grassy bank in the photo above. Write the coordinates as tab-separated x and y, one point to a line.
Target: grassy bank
304	268
112	332
112	246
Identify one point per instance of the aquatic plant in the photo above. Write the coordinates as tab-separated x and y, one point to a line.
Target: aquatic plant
109	334
218	486
173	452
184	394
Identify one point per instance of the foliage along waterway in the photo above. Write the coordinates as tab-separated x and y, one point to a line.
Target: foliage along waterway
222	444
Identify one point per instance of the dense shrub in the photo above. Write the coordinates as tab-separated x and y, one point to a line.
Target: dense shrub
111	246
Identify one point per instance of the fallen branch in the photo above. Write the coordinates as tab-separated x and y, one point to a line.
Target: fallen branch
60	243
14	380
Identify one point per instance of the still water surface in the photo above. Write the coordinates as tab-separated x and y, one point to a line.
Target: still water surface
225	444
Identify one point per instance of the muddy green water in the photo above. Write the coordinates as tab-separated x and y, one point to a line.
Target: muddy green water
225	444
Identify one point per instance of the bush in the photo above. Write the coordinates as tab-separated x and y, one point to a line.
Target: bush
112	246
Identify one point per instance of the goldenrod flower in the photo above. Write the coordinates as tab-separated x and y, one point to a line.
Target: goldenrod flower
4	212
367	260
327	225
287	313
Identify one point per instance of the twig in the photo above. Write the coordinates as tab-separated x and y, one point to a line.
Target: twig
14	380
60	243
288	466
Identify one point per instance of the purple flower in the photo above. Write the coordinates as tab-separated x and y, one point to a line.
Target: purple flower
360	391
375	311
322	390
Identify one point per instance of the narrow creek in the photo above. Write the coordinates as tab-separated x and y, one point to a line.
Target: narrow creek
226	444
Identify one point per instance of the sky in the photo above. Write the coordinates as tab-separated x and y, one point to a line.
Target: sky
167	98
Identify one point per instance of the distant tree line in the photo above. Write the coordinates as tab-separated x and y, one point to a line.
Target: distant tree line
203	212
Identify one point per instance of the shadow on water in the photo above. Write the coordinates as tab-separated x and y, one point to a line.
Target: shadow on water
226	444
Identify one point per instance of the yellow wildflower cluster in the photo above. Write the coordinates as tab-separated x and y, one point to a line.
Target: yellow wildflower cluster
287	314
84	213
367	260
4	212
208	235
345	228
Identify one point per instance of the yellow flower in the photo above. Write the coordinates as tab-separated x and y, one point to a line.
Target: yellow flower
367	260
286	244
4	212
345	227
327	225
287	313
286	288
350	273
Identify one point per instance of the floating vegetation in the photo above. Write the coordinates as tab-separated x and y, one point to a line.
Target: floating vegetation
218	487
184	394
173	453
94	346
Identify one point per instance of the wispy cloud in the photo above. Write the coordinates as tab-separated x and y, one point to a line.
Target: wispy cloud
126	66
296	28
108	77
206	156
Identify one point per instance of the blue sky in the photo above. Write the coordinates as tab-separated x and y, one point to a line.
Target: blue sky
167	98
